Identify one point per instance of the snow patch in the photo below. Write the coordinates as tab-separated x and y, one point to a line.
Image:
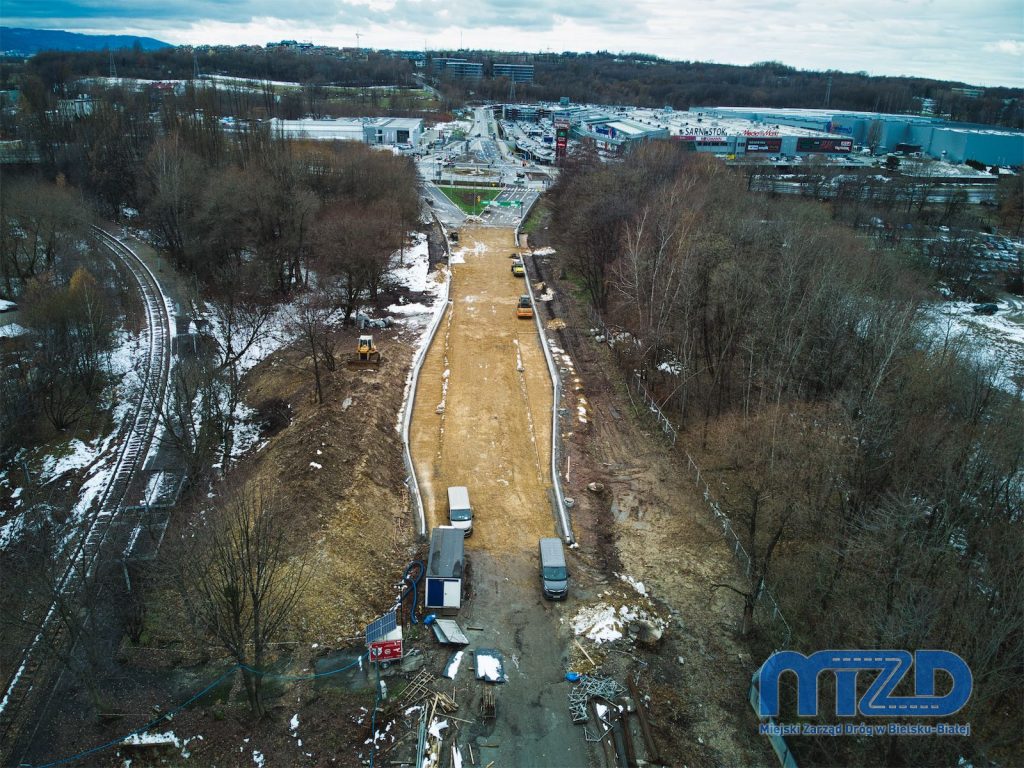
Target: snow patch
637	585
11	330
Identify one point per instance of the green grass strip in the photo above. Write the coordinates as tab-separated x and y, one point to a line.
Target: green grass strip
470	199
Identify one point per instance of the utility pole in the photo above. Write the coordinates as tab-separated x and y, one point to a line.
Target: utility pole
358	46
828	90
113	68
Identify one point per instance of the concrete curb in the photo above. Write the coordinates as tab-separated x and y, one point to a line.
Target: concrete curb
410	401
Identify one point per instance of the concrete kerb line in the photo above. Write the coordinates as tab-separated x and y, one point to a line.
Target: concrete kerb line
410	401
556	386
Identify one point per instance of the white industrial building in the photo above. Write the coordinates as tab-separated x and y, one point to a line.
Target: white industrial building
370	130
937	138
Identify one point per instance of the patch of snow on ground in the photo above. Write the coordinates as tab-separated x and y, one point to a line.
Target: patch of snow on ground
415	274
293	726
6	305
246	430
258	758
546	251
436	727
673	367
408	309
599	623
637	585
488	668
79	455
11	330
453	668
152	738
459	255
993	339
11	531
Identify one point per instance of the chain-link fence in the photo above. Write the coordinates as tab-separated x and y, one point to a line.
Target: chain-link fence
764	598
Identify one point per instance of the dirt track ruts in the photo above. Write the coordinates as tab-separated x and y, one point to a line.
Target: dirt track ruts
494	436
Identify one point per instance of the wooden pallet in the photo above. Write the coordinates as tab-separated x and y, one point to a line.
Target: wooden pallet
488	706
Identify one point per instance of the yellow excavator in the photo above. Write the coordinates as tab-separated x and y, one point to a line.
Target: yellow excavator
366	353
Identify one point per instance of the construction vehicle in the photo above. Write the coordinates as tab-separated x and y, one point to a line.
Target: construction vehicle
525	308
366	353
517	267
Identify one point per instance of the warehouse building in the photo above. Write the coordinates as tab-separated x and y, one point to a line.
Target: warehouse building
614	132
370	130
881	133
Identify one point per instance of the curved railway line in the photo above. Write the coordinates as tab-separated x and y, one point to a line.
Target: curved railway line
136	434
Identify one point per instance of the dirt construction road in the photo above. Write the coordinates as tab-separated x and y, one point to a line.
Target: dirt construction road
483	419
485	372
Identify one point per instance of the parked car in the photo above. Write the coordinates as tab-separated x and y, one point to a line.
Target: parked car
985	309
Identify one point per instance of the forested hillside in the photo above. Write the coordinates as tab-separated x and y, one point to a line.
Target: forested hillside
871	468
642	80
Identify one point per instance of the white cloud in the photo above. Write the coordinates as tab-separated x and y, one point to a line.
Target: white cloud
1012	47
943	39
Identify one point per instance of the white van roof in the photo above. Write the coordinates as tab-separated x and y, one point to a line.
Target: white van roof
458	497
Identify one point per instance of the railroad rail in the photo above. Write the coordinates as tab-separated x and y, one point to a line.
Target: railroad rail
135	439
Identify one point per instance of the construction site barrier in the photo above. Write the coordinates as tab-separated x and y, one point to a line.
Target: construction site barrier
410	401
558	497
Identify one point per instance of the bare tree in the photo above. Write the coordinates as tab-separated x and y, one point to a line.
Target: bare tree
192	419
311	323
240	582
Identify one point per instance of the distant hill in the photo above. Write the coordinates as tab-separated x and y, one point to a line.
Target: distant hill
15	41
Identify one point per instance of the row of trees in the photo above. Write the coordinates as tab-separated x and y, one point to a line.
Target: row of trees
606	78
220	201
59	71
872	464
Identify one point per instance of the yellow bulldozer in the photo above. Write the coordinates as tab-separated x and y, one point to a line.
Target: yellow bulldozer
366	353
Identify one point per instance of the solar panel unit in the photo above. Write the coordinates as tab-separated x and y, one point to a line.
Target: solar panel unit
381	627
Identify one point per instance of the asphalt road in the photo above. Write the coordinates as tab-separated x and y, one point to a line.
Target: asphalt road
483	159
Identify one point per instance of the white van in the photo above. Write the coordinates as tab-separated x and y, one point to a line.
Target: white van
460	513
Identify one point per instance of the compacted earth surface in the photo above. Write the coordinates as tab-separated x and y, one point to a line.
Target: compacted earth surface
645	556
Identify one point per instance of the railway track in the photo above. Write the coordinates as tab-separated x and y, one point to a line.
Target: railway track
27	683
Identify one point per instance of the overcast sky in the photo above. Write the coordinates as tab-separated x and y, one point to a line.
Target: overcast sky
979	42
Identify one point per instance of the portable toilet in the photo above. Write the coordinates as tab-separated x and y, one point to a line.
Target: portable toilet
444	570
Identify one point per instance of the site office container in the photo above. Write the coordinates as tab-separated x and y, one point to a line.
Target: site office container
443	589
